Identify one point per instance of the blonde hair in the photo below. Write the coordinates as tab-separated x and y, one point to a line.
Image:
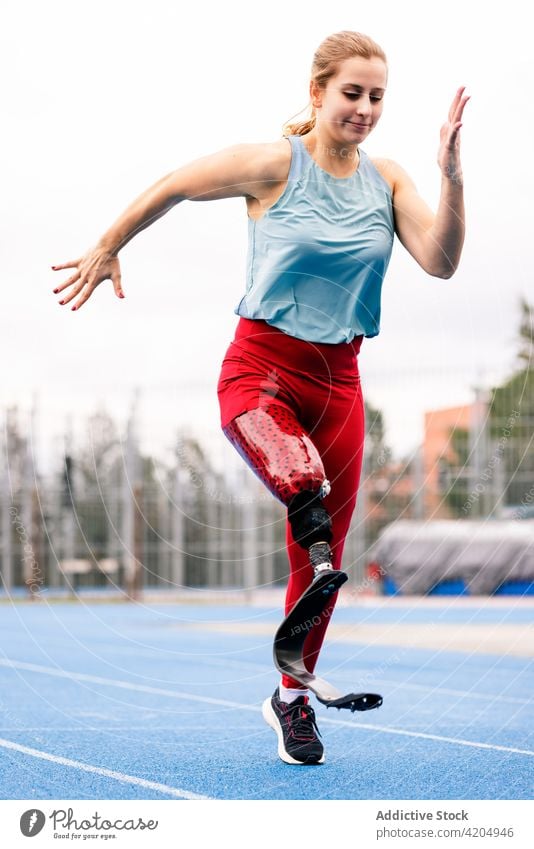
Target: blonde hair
326	61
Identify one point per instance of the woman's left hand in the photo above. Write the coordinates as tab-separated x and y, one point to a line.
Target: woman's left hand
449	149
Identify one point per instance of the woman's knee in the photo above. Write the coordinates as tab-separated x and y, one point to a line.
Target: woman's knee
277	448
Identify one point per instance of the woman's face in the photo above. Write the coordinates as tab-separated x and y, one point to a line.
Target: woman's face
352	102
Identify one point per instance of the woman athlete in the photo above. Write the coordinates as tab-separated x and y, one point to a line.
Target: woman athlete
322	218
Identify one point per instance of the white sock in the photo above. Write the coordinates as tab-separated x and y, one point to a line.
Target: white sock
288	695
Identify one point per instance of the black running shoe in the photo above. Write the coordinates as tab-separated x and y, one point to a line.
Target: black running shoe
296	728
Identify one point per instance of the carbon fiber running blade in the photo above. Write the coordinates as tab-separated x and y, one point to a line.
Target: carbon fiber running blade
291	635
354	701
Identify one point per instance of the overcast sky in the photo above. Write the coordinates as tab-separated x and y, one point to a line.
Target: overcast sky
101	99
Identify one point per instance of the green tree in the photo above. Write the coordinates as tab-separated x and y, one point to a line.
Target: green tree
509	446
512	415
526	335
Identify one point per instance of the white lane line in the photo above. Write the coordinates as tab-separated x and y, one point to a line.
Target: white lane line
463	694
341	675
398	685
108	773
441	739
126	685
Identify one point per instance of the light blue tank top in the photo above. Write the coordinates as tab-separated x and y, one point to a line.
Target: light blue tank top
317	257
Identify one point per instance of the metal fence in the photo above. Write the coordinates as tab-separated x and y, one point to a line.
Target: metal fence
108	515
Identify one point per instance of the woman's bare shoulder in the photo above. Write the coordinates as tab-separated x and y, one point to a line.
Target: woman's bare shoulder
273	158
387	168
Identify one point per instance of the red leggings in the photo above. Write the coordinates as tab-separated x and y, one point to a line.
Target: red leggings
294	411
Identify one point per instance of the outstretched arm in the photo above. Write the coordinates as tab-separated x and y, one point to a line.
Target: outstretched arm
233	172
435	241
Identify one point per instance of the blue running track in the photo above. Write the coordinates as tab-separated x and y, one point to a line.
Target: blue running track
156	700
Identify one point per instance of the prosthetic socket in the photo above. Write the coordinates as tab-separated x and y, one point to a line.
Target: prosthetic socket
279	451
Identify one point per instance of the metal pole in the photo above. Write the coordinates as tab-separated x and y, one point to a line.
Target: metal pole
177	520
130	494
478	453
357	537
27	513
249	515
7	503
419	482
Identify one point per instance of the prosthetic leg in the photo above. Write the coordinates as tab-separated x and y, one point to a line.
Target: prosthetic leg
275	446
311	528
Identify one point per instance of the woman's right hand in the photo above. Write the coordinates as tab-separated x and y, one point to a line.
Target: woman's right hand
94	267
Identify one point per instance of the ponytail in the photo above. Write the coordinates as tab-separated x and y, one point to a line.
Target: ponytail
300	128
